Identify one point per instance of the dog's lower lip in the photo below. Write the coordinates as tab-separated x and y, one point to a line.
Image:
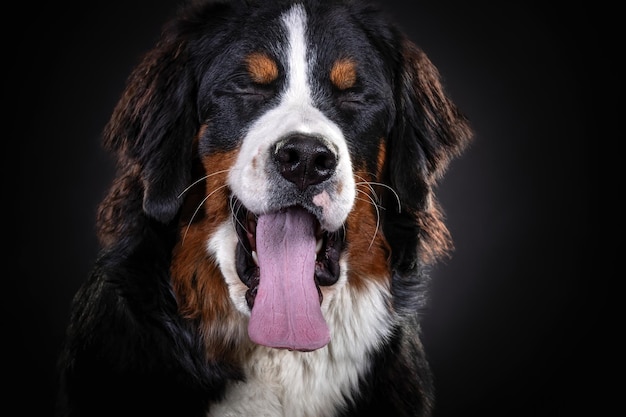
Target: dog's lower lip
250	228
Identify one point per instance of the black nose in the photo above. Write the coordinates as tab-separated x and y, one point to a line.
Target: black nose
304	160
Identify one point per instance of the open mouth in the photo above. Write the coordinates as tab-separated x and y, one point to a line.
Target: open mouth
284	258
328	248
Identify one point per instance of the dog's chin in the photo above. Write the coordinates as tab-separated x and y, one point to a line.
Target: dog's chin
328	249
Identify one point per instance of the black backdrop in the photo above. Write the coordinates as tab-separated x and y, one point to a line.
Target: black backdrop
509	320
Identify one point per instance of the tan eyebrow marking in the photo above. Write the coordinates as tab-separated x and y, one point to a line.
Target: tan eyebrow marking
343	73
262	68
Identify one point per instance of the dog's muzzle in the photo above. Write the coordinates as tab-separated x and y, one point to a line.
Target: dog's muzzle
284	256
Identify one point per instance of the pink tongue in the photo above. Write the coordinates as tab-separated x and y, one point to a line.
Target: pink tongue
286	312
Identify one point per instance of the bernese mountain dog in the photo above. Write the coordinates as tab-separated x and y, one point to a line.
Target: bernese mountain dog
266	241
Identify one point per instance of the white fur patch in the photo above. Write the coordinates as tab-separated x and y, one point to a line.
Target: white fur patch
281	383
223	246
295	113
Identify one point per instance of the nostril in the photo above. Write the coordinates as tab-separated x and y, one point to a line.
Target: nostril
325	160
287	156
304	160
324	164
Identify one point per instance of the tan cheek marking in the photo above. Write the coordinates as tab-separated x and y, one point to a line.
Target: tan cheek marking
382	157
196	279
262	68
368	250
217	167
343	73
201	131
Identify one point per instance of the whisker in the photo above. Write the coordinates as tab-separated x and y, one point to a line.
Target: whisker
200	206
235	206
374	199
199	180
370	199
235	212
373	202
368	183
380	184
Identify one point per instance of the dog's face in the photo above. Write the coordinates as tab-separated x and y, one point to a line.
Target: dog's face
297	147
301	118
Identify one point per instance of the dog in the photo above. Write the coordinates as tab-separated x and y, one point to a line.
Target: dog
265	243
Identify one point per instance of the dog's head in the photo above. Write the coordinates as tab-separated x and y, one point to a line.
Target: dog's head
297	147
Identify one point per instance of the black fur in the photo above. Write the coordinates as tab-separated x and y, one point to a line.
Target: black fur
128	351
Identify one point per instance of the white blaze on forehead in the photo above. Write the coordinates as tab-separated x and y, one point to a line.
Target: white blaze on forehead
250	179
298	92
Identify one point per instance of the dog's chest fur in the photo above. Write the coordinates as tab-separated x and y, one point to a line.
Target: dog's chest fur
313	384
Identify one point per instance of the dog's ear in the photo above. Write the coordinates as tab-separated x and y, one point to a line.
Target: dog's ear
152	130
428	132
152	127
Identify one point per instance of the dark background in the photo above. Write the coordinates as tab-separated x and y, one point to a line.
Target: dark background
510	320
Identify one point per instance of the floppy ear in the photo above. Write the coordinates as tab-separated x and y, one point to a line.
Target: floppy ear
153	125
428	132
151	135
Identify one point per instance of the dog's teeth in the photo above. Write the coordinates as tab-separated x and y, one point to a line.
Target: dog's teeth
255	258
318	245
